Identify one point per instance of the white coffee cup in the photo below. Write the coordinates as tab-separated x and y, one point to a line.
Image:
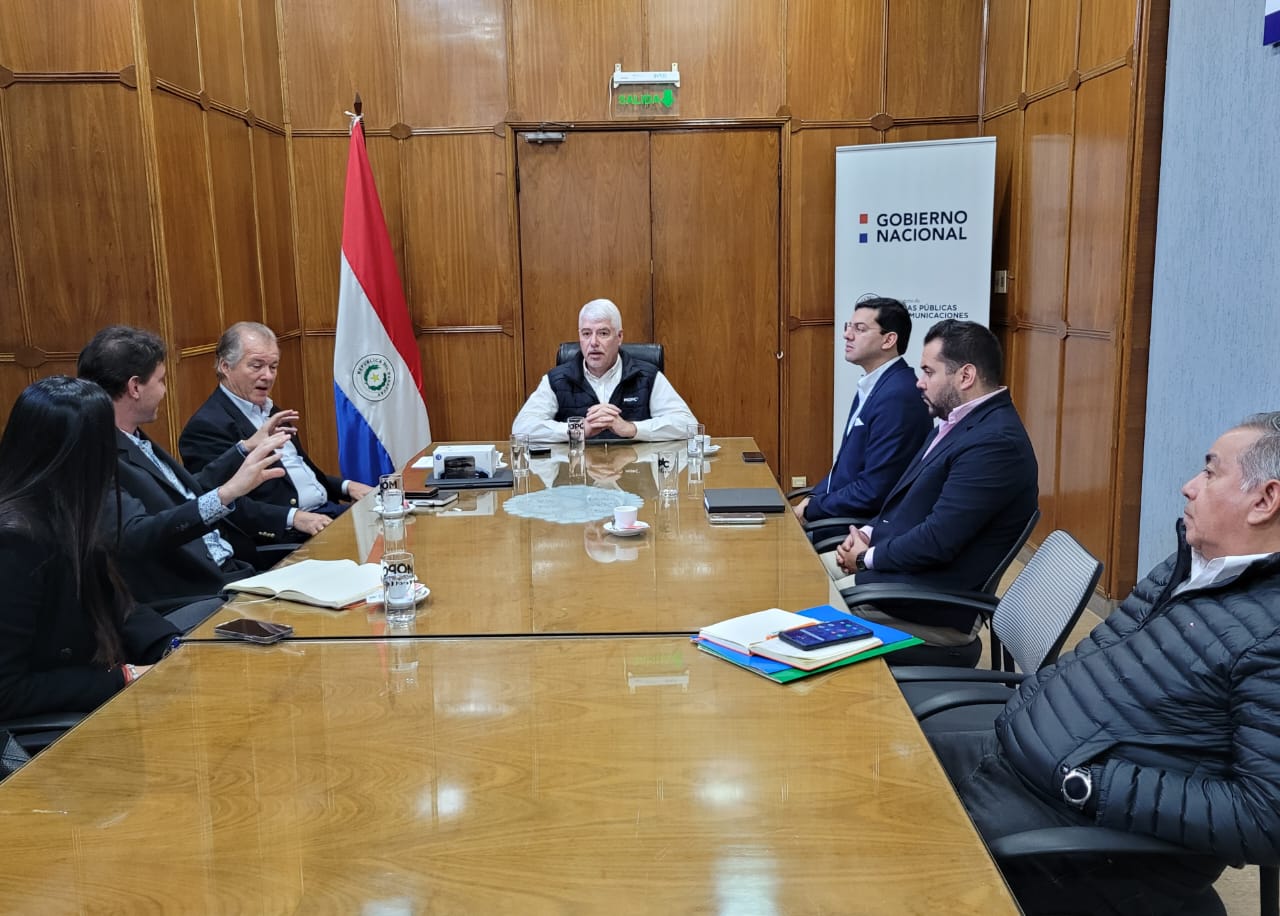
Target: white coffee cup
706	443
625	516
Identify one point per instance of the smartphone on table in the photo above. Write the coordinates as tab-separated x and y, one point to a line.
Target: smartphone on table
262	632
821	635
753	457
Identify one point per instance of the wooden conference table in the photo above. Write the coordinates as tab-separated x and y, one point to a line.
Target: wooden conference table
527	775
491	573
498	758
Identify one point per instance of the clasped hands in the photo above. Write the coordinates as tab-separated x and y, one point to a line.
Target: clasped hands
608	416
854	546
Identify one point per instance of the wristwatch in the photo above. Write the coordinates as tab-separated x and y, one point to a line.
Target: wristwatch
1077	787
860	562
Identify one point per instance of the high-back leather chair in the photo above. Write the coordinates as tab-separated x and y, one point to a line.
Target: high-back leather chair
649	352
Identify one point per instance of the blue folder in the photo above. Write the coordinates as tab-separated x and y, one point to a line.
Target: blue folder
891	640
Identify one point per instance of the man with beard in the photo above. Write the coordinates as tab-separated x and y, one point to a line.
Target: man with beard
962	502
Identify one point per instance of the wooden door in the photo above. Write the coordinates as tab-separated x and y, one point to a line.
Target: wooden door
716	277
584	234
698	208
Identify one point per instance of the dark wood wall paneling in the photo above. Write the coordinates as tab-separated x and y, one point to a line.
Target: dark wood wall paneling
147	138
1063	95
76	249
238	145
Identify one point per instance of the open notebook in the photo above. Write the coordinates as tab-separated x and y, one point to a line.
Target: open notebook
325	583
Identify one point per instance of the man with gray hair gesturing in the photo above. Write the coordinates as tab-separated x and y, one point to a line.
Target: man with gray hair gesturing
306	499
620	396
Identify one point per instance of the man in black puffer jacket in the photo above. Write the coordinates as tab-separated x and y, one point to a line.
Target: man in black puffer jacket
1165	721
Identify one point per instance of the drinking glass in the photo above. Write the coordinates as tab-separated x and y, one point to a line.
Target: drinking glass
668	474
391	489
577	434
397	586
519	455
577	448
697	435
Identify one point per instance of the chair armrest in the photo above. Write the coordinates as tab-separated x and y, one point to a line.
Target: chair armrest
917	674
978	602
841	524
826	545
49	721
978	695
798	492
1084	839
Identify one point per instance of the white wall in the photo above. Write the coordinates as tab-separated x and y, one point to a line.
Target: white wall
1215	350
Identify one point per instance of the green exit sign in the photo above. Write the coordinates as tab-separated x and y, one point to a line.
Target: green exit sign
645	94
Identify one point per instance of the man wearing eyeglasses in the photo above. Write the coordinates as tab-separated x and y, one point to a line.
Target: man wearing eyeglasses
887	424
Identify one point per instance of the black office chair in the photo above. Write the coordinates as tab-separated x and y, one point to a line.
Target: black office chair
649	352
983	598
1033	619
826	531
1065	841
35	733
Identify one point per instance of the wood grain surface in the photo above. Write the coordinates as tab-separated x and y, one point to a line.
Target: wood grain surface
492	573
492	776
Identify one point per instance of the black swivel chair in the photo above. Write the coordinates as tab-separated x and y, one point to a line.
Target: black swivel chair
1065	841
35	733
649	352
982	600
1033	617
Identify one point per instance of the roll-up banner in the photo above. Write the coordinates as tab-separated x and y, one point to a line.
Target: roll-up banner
914	222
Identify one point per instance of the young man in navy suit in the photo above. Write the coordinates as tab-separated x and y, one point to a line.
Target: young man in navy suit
961	504
887	424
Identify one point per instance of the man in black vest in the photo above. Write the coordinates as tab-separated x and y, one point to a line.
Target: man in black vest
621	397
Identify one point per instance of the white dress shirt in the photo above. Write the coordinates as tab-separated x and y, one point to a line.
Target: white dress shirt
1205	573
311	492
669	416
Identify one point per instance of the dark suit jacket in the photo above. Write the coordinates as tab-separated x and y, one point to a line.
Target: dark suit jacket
217	426
892	425
47	641
161	554
954	515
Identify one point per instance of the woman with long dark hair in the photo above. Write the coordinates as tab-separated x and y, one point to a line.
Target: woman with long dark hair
70	636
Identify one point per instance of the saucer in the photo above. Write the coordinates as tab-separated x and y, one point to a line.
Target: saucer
710	449
409	509
420	594
639	528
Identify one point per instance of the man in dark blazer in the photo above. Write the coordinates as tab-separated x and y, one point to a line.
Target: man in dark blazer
181	538
303	500
961	504
888	420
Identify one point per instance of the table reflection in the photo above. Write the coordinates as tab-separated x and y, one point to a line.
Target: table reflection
482	775
492	572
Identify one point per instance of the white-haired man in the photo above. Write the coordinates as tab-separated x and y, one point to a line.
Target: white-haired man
620	396
305	499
